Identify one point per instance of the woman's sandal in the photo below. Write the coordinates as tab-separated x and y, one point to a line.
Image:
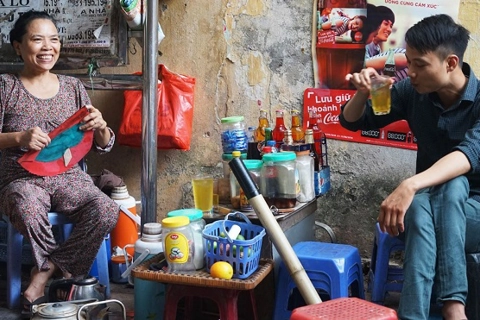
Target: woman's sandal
27	305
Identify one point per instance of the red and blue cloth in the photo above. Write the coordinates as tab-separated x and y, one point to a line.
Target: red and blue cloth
68	146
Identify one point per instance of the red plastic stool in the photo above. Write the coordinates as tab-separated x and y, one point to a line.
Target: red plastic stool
226	300
344	308
200	284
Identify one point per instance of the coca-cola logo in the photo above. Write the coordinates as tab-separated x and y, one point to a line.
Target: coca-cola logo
174	236
330	118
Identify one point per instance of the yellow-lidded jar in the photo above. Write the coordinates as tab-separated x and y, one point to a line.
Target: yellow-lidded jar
195	216
178	244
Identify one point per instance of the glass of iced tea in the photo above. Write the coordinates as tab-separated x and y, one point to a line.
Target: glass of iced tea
380	95
203	193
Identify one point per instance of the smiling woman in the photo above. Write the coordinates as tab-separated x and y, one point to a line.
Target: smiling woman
33	104
39	48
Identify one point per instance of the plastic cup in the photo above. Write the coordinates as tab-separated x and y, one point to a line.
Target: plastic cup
203	193
380	95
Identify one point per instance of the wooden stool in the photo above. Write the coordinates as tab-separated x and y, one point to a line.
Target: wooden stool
201	285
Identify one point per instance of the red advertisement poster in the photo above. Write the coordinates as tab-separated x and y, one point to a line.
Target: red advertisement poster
351	35
327	104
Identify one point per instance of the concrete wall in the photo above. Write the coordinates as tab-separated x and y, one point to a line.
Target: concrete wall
244	53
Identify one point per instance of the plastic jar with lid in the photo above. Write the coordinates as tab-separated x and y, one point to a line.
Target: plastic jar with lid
226	157
304	164
234	135
279	183
178	243
196	224
254	167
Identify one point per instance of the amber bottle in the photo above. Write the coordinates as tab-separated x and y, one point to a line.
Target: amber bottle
298	134
263	123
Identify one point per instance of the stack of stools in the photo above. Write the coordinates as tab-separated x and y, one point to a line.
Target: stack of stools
384	277
334	269
344	308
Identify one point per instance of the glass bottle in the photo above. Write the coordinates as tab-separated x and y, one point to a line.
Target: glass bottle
389	69
314	124
268	137
263	123
268	134
287	137
278	131
298	134
316	160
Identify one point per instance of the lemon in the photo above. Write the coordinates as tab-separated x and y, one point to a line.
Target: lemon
222	270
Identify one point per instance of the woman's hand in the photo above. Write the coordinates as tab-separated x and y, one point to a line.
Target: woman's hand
34	139
94	120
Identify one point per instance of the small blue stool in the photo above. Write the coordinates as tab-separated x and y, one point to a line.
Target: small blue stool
335	269
383	277
100	266
14	258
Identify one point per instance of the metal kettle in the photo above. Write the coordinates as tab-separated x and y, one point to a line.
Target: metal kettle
76	289
56	310
79	310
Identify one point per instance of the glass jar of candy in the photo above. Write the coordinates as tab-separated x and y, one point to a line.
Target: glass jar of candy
234	135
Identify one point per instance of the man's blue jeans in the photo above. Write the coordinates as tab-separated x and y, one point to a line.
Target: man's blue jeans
441	224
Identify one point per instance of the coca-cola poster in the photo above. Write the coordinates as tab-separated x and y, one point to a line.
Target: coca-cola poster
352	34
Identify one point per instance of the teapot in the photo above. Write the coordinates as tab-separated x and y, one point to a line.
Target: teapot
76	289
78	310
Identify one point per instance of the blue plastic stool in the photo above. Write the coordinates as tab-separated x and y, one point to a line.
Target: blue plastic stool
100	266
335	269
383	277
14	258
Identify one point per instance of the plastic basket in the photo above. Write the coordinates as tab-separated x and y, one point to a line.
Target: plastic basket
243	255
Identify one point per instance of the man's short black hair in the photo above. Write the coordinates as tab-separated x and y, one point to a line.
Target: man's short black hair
440	34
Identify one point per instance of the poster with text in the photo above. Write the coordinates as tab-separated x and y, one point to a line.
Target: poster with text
351	35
